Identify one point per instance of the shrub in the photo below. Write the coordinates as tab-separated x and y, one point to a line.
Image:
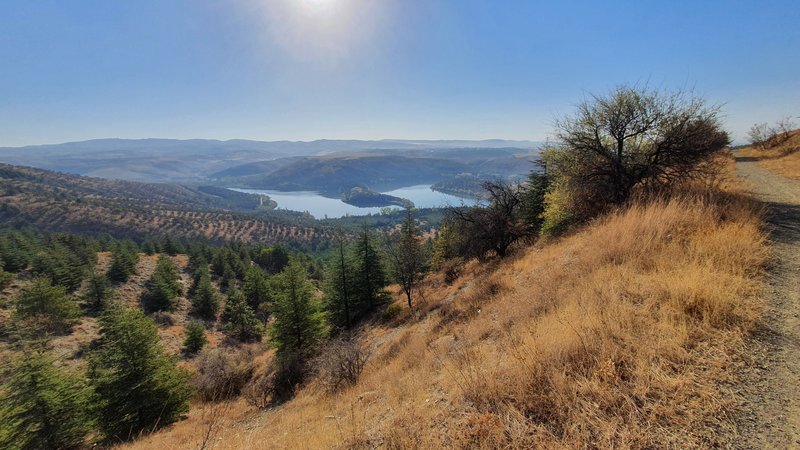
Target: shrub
47	305
195	337
493	228
137	387
391	312
763	136
341	362
222	374
451	269
5	278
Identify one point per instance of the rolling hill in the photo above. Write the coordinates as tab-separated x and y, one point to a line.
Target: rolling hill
377	170
194	160
60	202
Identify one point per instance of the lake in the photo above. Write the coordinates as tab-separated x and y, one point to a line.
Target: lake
321	207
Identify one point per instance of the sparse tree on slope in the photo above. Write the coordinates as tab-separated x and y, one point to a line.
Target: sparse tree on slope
407	257
205	300
369	274
163	287
633	137
299	325
256	288
48	305
42	407
339	289
240	319
195	337
123	263
137	387
99	292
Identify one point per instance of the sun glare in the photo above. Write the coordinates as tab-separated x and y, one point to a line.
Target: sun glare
319	3
321	30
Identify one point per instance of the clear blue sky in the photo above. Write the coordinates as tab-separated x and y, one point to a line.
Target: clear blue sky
370	69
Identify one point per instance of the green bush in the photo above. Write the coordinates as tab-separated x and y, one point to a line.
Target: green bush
47	305
163	287
42	406
195	337
137	387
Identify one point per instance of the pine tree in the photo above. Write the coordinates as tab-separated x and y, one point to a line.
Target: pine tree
16	251
205	301
137	387
256	288
47	305
443	246
195	337
299	325
273	259
240	320
42	406
123	263
99	292
370	275
163	287
340	292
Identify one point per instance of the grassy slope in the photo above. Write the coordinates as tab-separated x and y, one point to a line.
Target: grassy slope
783	159
622	335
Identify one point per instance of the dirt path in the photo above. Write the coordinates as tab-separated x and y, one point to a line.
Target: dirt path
771	388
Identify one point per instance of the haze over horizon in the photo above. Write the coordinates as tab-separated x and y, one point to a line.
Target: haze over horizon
356	69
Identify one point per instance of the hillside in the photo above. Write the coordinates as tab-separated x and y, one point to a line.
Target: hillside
335	174
378	170
60	202
621	335
783	159
193	160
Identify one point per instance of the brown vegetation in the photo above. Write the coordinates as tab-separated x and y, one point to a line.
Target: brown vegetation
621	335
783	159
52	201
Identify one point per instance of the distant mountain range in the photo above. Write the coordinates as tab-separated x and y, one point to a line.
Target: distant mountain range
377	170
198	160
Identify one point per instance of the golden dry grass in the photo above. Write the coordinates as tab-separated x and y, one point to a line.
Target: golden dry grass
620	336
783	159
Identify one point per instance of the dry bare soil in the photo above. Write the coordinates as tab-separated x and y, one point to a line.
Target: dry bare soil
771	397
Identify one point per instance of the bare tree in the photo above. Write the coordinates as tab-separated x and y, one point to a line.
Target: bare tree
635	136
763	136
759	135
495	227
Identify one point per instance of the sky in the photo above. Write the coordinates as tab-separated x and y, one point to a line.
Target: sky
376	69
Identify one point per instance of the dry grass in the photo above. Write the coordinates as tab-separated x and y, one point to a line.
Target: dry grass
621	336
783	159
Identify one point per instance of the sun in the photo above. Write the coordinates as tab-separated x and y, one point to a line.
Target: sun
323	32
317	5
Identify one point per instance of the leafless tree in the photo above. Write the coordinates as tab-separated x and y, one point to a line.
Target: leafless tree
763	136
495	227
341	362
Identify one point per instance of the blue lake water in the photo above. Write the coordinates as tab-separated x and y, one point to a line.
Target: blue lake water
320	207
